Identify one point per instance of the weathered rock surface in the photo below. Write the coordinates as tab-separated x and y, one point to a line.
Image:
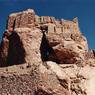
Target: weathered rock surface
45	56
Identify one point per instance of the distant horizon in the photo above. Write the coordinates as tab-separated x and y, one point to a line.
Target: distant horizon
65	9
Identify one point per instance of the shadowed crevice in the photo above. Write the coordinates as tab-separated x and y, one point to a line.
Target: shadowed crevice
41	92
16	52
47	51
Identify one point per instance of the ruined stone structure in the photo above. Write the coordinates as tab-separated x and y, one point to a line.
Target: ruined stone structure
29	19
25	23
53	57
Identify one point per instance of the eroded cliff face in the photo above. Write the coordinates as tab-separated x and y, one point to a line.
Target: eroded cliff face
62	42
52	54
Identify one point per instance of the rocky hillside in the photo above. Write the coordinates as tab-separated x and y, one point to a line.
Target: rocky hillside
41	55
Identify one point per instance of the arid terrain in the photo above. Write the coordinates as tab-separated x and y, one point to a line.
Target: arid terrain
41	55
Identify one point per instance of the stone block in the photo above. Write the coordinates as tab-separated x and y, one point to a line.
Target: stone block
24	20
42	19
51	28
62	21
47	19
67	35
11	20
17	21
37	19
52	19
58	30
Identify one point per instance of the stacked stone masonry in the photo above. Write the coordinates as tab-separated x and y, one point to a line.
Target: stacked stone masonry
29	19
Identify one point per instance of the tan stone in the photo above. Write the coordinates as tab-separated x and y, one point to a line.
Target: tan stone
62	21
67	35
42	19
27	18
18	19
46	19
11	20
58	30
21	19
68	26
51	28
37	19
31	17
75	25
52	19
62	28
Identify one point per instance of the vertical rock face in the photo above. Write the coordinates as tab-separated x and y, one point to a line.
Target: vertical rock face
31	40
4	50
63	41
21	47
53	50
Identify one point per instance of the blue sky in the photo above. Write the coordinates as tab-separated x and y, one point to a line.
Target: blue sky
67	9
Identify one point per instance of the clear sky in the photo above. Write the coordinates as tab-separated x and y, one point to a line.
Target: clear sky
67	9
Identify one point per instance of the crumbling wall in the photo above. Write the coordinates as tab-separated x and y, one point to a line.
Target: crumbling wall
21	19
29	19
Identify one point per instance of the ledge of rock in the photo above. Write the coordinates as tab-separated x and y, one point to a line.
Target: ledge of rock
40	55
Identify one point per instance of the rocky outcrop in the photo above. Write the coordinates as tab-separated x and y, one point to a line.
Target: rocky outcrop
52	54
50	79
37	80
20	47
62	42
68	49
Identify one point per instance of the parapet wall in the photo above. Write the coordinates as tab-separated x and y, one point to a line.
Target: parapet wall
29	19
